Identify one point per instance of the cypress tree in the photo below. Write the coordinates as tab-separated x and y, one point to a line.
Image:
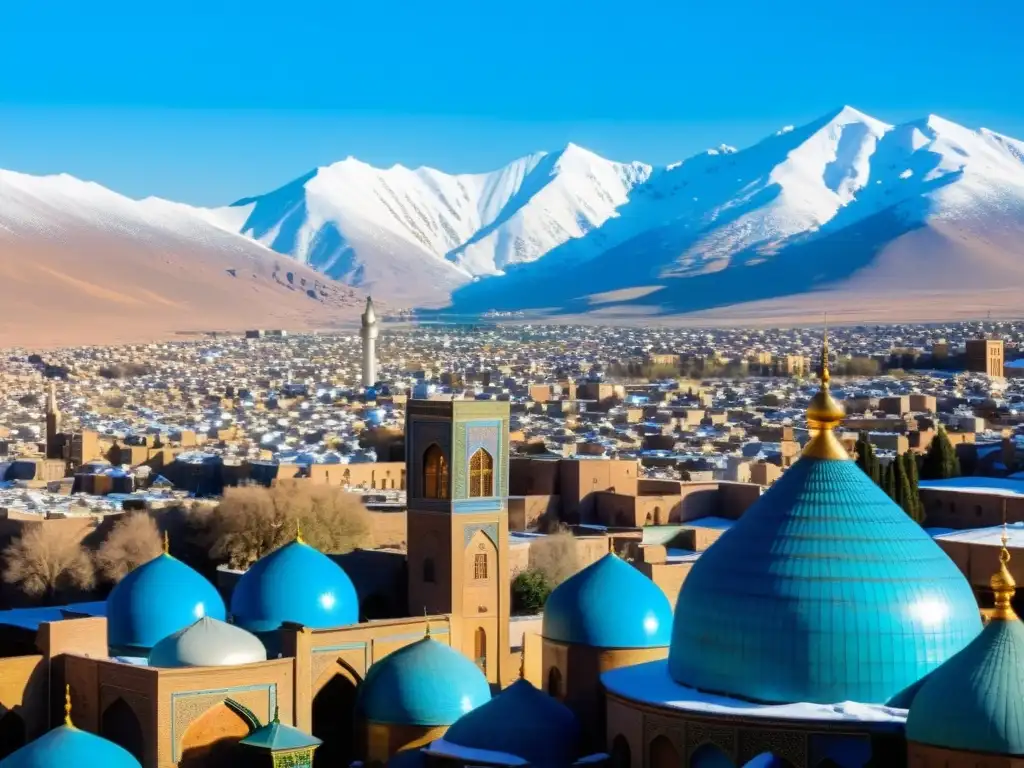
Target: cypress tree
889	480
867	460
941	461
910	467
899	481
907	494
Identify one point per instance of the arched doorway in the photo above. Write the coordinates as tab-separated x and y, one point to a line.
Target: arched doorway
121	725
662	754
12	733
480	648
212	739
710	756
621	755
334	720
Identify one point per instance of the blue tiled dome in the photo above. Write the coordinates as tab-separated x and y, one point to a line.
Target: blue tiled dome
69	746
609	604
975	701
298	584
156	600
524	722
426	683
824	591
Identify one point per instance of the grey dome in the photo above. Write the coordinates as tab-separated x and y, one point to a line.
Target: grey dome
208	643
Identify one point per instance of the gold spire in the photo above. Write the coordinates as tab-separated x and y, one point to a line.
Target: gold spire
426	621
167	543
67	706
298	531
824	414
522	660
1002	583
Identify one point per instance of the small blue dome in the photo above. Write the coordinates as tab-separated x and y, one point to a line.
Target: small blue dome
67	745
975	701
609	604
426	683
824	591
524	722
156	600
297	584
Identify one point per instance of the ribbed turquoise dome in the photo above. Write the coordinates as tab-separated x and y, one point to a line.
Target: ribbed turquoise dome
975	701
524	722
824	591
156	600
609	604
298	584
69	746
425	683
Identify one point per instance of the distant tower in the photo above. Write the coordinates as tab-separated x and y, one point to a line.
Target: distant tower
369	334
54	449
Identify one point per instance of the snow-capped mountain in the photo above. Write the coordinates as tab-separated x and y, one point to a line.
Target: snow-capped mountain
420	233
82	264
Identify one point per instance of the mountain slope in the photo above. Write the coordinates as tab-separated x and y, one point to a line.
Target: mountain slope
80	264
824	206
417	234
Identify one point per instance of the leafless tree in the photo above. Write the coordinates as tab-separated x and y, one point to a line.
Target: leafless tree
48	560
132	541
555	556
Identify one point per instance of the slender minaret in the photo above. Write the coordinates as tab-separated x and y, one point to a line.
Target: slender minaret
369	334
53	422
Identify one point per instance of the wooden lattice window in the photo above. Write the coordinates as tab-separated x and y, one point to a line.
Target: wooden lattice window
479	567
481	474
435	473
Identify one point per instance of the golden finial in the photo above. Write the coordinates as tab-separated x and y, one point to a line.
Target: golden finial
277	712
67	706
1003	585
522	660
167	543
611	545
824	414
426	621
298	531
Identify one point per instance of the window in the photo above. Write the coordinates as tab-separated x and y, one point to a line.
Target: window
479	567
435	473
428	571
481	474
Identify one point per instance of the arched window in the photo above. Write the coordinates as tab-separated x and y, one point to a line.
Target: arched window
481	474
435	473
555	683
479	566
621	757
428	571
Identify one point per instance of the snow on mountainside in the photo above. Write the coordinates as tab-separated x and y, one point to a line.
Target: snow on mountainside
805	209
422	232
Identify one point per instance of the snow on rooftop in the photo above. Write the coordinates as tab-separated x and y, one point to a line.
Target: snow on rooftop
991	536
995	486
650	684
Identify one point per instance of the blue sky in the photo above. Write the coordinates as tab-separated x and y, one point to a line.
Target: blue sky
206	101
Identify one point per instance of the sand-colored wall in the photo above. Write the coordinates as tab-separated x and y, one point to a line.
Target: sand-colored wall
921	756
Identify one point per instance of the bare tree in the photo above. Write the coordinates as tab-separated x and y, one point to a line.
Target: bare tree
48	560
252	522
555	556
132	541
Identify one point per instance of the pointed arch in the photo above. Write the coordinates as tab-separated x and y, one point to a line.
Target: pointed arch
480	648
212	739
555	683
621	755
435	473
334	715
662	754
481	474
121	725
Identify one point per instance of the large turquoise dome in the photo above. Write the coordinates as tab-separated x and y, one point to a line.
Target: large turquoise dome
69	746
824	591
297	584
524	722
156	600
426	683
609	604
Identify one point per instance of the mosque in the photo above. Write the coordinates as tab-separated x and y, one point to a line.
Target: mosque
824	629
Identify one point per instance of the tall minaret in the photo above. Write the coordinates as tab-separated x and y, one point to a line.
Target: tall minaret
53	422
369	334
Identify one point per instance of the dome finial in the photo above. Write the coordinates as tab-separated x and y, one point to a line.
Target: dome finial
426	621
167	543
522	661
67	706
824	414
1002	582
298	532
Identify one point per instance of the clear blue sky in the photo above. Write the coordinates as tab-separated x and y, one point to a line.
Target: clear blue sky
206	101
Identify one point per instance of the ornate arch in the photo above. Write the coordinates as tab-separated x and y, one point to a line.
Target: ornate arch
435	473
481	474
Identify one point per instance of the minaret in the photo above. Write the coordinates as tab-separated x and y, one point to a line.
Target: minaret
53	422
369	334
824	414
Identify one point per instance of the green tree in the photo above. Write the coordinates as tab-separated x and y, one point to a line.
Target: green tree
941	461
916	509
530	590
867	460
889	480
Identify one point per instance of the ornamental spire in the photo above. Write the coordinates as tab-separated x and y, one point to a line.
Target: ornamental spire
426	621
1002	582
824	414
67	707
167	543
298	531
522	660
